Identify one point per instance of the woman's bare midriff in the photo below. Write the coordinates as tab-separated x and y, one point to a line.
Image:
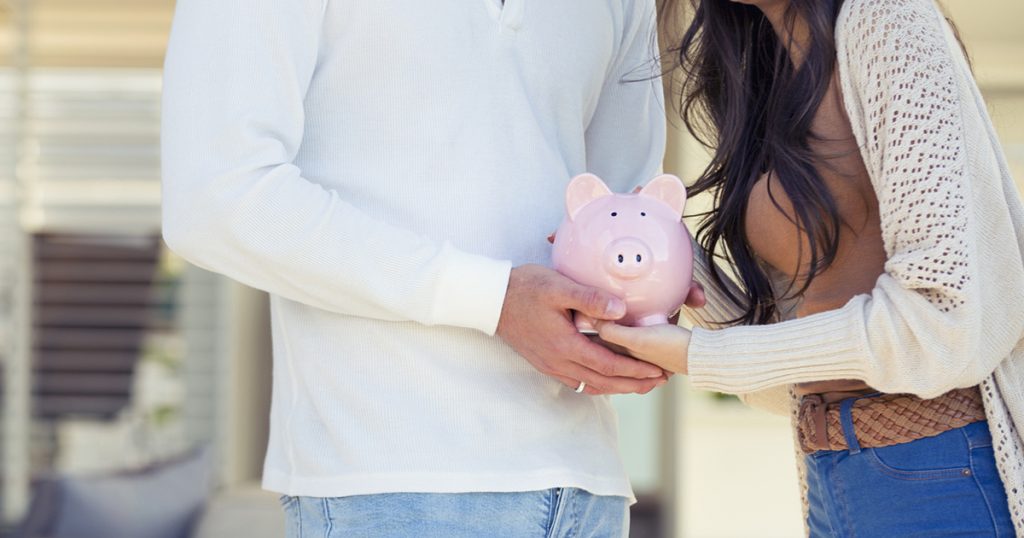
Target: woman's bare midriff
860	258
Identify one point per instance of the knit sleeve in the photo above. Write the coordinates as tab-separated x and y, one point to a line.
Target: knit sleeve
946	311
719	308
716	313
234	202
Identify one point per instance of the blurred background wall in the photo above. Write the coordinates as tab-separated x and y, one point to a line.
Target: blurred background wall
115	355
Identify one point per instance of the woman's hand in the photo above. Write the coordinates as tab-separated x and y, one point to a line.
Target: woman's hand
662	345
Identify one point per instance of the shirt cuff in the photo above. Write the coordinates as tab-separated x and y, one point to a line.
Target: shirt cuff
471	291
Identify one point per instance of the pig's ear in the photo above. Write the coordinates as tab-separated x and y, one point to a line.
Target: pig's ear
668	189
583	189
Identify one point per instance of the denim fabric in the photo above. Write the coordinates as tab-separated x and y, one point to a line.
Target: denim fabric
945	485
553	513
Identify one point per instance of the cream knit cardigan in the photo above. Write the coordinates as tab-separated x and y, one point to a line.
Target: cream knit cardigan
948	311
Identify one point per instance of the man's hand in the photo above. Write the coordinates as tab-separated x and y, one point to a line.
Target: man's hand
536	321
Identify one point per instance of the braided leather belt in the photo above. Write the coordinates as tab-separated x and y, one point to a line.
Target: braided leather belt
885	420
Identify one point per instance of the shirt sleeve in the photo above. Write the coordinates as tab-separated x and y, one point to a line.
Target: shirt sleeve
234	202
719	310
946	311
626	135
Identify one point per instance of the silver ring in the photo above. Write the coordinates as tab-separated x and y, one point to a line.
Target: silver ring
582	386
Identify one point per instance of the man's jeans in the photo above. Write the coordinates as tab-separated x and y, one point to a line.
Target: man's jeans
945	485
553	513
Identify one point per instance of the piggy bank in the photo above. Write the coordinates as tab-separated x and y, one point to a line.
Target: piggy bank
632	245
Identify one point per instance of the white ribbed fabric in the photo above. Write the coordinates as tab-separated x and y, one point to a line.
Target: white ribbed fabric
378	167
947	311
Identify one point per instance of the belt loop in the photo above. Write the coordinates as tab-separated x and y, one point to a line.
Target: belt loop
846	420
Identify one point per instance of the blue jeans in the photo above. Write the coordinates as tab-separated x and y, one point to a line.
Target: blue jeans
553	513
945	485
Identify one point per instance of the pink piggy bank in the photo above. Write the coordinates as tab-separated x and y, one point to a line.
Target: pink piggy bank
632	245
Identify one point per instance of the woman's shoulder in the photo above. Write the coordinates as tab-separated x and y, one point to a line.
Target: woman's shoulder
886	47
873	22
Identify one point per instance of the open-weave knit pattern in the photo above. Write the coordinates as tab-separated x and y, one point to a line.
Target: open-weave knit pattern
947	311
1006	440
922	120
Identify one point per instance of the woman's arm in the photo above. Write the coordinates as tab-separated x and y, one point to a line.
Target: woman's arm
718	310
947	309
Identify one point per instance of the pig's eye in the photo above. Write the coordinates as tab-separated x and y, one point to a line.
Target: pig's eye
621	259
615	213
643	213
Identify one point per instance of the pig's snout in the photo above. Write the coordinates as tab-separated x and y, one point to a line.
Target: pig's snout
628	258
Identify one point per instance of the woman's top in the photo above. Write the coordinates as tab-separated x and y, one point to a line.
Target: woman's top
947	311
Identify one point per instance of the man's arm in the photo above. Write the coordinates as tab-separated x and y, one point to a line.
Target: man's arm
626	134
236	75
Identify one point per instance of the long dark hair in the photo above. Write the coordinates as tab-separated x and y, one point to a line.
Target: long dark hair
742	97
